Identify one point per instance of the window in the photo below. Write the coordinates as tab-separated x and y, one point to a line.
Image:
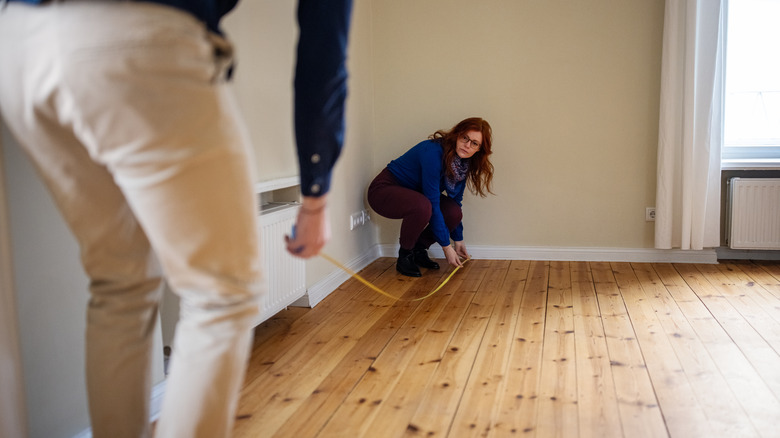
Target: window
752	104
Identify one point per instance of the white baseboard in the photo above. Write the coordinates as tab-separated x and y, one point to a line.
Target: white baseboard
158	391
323	288
636	255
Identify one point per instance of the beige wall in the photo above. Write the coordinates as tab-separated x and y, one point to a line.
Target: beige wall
13	413
571	89
265	35
355	166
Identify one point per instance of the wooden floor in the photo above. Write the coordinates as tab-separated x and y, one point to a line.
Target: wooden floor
519	348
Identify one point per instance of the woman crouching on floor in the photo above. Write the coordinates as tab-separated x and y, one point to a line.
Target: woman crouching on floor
424	187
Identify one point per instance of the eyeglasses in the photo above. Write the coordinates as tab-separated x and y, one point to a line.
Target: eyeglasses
471	144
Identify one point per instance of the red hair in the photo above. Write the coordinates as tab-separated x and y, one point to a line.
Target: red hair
480	174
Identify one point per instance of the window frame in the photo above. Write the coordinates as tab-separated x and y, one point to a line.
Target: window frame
746	153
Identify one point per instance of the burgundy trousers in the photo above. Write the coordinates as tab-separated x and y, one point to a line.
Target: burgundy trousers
393	201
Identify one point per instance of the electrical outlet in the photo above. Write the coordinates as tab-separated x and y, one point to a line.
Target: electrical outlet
359	219
354	220
650	214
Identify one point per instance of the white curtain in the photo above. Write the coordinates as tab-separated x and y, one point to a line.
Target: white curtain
690	127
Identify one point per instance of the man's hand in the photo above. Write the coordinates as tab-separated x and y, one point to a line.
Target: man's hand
312	228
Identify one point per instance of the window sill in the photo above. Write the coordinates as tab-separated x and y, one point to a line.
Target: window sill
751	164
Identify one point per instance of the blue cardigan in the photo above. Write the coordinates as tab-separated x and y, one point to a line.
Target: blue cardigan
421	169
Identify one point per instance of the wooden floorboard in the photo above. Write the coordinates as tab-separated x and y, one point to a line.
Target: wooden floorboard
597	405
526	348
679	321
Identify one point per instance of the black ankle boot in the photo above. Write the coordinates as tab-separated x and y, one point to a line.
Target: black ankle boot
405	264
421	259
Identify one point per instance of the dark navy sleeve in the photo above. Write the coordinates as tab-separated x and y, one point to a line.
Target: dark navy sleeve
320	90
210	12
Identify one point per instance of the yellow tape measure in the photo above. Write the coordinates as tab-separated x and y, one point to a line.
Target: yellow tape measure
378	290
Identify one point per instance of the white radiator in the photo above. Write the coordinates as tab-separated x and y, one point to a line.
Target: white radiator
285	275
754	213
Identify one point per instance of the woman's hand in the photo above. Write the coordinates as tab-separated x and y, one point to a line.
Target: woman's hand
312	228
452	256
460	249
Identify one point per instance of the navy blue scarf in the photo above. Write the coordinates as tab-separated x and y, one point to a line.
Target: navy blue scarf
460	168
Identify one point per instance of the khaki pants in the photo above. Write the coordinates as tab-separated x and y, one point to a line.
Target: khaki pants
121	107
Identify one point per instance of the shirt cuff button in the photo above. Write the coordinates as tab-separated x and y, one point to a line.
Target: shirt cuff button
315	188
315	158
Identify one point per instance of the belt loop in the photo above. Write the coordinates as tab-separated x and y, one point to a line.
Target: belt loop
223	57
